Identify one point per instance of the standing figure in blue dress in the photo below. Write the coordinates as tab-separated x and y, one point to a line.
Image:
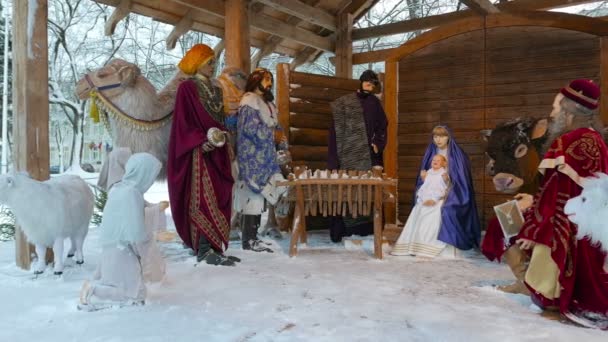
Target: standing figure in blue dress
458	226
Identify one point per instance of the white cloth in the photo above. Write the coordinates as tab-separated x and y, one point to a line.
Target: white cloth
419	236
152	260
434	187
123	220
248	202
118	278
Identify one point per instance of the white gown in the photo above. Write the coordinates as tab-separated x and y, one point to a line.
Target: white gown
419	236
152	260
119	278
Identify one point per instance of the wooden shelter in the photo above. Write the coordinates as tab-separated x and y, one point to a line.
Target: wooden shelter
305	28
477	72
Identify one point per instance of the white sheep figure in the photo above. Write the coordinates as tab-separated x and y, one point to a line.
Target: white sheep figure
49	212
589	210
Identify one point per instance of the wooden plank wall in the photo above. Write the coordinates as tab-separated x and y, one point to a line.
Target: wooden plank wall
310	115
476	80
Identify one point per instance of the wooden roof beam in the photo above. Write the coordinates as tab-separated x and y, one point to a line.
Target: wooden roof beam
266	24
354	7
357	7
483	7
303	11
436	20
279	28
184	25
305	56
212	7
122	10
272	42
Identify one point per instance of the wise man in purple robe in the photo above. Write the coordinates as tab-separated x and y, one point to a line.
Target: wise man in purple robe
356	142
199	178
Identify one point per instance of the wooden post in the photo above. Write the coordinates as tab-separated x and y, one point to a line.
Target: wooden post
299	223
604	79
236	36
283	81
344	46
377	172
391	84
30	100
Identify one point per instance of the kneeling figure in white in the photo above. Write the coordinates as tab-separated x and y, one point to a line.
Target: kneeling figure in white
119	278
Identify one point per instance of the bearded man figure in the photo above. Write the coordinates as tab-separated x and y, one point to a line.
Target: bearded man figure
565	273
356	142
257	157
199	185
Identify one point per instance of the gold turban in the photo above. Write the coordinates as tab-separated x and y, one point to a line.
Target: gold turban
198	55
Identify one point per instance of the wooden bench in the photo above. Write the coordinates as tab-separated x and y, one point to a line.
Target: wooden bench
332	193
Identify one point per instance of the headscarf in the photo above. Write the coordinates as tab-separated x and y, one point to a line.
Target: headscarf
198	55
123	216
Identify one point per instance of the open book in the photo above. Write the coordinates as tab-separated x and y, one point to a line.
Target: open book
510	218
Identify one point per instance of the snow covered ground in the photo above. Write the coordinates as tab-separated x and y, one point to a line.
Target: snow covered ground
326	293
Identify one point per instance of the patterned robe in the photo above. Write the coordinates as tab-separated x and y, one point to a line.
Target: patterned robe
256	155
564	271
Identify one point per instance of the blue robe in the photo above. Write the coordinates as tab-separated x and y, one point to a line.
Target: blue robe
460	225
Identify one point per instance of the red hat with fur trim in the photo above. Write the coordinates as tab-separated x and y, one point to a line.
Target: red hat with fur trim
584	92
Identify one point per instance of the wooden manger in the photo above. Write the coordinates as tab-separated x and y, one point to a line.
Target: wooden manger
332	193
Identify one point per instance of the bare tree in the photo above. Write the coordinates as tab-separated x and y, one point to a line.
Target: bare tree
71	24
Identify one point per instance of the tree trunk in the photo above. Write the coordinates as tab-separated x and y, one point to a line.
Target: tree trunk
415	10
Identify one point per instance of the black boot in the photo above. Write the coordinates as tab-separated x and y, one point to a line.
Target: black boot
249	227
210	256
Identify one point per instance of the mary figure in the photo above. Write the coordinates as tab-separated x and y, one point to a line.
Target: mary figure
454	224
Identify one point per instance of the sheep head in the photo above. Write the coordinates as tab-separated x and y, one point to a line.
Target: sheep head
589	210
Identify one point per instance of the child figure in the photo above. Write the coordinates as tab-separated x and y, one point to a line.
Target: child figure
435	184
119	278
419	236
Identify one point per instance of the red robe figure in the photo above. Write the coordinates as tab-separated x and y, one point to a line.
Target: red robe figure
565	273
199	177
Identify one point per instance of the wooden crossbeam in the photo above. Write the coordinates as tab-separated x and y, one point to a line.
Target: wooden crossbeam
441	19
303	11
272	42
279	28
371	56
184	25
357	7
305	56
122	10
354	7
482	7
266	24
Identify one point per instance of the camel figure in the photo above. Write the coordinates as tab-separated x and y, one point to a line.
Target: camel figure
134	113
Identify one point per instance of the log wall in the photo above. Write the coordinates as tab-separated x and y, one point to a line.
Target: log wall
303	100
476	80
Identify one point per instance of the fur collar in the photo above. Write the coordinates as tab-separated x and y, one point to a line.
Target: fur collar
267	110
